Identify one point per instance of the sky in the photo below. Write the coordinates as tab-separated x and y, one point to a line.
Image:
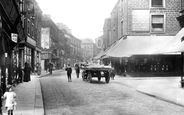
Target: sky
85	17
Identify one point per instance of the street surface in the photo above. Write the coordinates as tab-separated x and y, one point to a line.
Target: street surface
99	98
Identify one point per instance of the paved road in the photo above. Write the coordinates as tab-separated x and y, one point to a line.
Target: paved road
98	98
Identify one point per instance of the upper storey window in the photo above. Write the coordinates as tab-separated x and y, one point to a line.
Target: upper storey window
157	3
158	23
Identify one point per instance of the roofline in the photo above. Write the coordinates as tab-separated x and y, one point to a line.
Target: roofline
115	6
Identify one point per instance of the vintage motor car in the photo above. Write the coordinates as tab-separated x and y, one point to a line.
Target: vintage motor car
94	70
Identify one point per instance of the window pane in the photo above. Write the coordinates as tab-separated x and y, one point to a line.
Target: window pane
157	3
157	27
157	19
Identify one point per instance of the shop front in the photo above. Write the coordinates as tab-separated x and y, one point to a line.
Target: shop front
27	52
11	33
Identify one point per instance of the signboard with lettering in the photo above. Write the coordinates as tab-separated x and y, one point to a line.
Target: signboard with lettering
31	41
140	20
45	38
45	56
14	37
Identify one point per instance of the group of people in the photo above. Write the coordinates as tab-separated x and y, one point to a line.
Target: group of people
77	70
23	74
69	71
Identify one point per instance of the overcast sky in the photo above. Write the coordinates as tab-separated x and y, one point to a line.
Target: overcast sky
84	17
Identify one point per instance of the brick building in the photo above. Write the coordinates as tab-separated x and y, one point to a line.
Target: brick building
137	21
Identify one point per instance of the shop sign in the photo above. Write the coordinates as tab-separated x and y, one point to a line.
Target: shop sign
45	56
14	37
31	41
45	38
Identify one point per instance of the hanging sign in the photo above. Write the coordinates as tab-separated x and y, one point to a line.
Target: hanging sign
14	37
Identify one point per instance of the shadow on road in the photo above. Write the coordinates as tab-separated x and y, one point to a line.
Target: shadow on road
96	82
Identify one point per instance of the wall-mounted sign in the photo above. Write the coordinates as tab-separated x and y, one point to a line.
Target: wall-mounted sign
14	37
45	38
31	41
45	56
140	20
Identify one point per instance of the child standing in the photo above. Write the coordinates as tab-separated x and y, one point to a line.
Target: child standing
10	103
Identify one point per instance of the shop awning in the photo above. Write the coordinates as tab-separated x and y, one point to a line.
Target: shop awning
138	45
99	55
175	45
102	54
109	49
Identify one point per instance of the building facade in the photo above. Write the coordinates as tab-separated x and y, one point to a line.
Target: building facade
49	42
30	46
89	46
99	45
143	19
11	33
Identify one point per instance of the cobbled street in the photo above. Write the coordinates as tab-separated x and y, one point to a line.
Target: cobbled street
99	98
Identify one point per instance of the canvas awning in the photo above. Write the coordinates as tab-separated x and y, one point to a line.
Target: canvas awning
137	45
175	44
109	49
99	55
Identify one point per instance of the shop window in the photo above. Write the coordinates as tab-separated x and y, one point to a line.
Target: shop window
157	3
157	23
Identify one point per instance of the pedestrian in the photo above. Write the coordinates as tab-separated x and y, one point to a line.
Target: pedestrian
10	103
77	69
27	72
69	72
50	67
39	69
1	95
112	73
20	74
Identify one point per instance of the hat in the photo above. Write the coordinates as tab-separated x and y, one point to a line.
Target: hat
8	87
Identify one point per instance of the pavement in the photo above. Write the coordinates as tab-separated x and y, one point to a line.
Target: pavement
29	97
30	102
164	88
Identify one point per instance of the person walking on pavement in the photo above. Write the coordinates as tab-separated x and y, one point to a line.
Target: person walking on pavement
27	72
69	72
10	103
77	69
20	73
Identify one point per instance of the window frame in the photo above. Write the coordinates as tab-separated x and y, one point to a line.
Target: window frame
163	4
164	22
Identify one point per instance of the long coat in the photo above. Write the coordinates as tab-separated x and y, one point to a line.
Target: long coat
27	72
